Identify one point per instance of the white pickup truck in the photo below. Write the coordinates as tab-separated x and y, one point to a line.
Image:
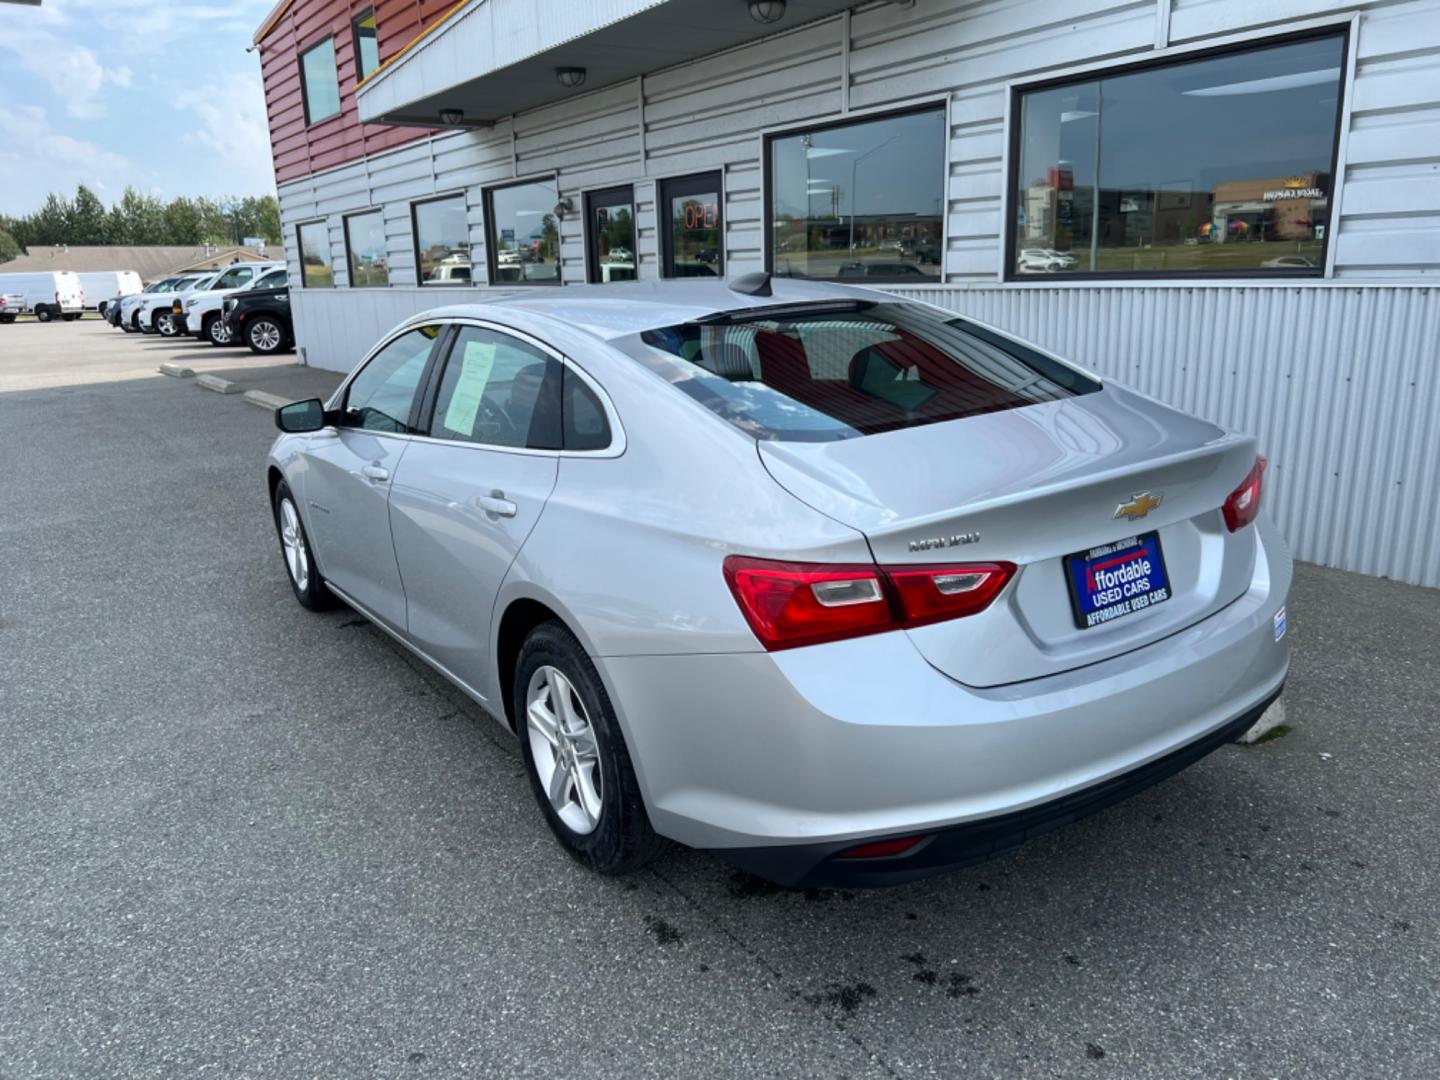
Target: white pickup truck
154	314
199	312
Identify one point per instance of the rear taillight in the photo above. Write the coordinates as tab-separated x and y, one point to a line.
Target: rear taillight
933	593
1243	503
791	604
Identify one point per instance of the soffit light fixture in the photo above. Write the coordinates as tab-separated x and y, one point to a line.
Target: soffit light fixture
570	77
452	116
767	11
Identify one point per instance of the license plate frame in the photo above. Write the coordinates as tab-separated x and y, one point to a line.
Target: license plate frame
1137	589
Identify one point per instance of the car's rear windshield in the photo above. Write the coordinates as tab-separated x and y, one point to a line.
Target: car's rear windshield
827	372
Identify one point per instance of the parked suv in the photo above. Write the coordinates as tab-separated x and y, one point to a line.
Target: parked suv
261	319
199	312
155	314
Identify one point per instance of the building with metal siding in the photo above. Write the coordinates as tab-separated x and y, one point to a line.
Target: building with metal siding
1336	372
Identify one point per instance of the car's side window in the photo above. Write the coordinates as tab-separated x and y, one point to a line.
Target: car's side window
498	391
585	424
273	280
232	278
380	396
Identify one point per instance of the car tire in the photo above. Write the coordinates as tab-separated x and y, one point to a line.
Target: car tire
163	323
42	313
577	750
7	318
213	330
295	550
69	318
265	336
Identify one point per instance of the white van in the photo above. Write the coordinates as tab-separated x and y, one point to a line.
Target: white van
101	287
49	294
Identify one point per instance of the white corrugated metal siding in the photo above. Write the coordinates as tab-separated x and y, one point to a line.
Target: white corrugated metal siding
1342	386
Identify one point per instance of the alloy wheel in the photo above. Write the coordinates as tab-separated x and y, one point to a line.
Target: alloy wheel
564	748
165	324
265	336
292	540
219	332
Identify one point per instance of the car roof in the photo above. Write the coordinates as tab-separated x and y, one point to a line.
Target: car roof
611	311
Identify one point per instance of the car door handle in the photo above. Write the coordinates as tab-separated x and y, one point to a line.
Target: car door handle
496	504
376	473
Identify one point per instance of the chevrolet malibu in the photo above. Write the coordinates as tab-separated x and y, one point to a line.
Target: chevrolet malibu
841	587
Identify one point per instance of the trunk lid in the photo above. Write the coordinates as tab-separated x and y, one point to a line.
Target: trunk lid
1031	486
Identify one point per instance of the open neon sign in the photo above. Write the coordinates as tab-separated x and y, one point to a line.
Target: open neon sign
700	215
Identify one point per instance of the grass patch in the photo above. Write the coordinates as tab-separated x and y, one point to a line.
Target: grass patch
1279	731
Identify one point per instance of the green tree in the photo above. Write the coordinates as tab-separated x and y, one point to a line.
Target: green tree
50	224
9	246
267	214
137	219
214	222
182	221
88	223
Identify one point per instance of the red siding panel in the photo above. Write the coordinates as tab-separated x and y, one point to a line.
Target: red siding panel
299	150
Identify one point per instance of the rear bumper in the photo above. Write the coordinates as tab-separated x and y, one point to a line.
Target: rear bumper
776	761
975	841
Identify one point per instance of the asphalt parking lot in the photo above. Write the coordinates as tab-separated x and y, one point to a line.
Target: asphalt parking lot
244	840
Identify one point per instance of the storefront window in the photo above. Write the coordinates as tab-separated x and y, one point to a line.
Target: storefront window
523	233
692	226
861	200
610	235
320	82
315	269
365	248
1220	165
442	241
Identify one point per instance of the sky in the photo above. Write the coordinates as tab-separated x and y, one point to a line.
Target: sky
150	93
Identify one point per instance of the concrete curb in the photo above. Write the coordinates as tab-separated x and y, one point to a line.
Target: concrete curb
219	385
176	371
1270	719
264	400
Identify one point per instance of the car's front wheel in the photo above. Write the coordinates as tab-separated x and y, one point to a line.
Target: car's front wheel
265	335
305	579
42	313
575	755
215	331
164	324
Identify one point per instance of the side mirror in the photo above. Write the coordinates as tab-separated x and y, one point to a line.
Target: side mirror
301	416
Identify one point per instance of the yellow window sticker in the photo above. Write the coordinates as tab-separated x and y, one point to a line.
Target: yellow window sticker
475	367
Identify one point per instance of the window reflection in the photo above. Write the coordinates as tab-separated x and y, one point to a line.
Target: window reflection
694	226
365	248
315	268
442	241
860	201
611	235
319	82
1219	164
524	233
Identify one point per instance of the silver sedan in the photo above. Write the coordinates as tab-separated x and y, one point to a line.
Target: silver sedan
841	587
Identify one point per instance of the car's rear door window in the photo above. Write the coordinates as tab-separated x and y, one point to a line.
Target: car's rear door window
497	390
816	373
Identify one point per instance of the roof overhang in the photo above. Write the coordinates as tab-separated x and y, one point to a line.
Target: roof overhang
494	58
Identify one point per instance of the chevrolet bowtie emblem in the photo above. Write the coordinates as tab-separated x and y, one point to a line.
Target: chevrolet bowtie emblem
1139	505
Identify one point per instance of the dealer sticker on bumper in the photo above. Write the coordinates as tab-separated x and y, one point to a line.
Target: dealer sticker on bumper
1116	579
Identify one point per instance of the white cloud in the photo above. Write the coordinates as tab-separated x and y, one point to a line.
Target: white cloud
35	159
233	127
